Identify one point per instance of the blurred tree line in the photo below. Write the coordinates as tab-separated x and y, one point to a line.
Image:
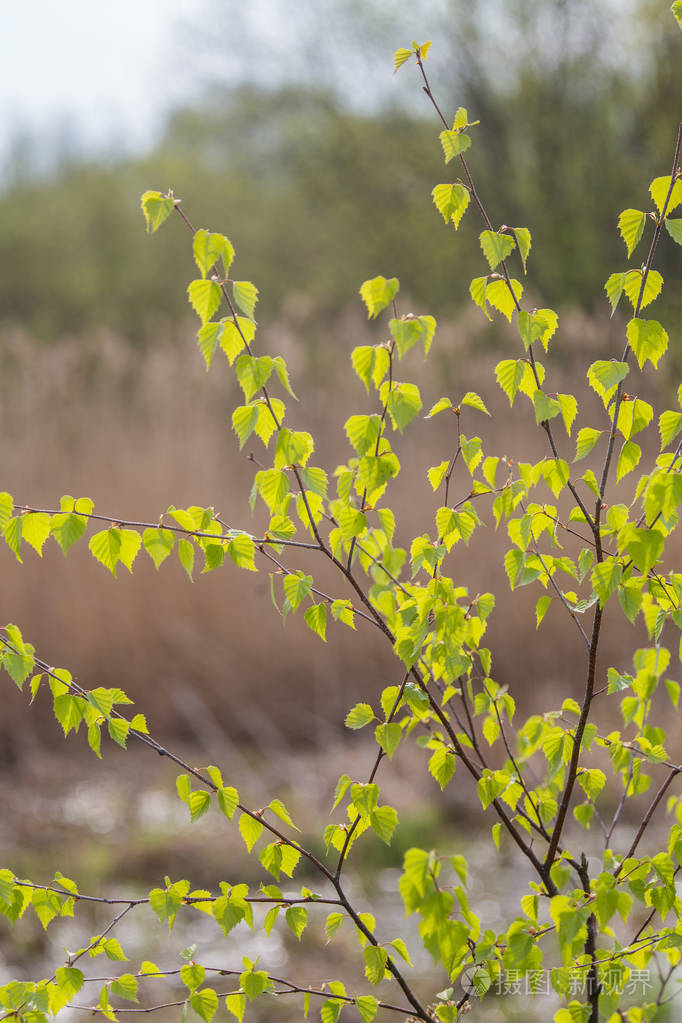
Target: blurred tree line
317	194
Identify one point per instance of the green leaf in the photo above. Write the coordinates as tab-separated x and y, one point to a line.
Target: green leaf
499	295
69	980
244	419
297	919
631	227
403	402
192	975
674	229
614	289
250	829
165	903
228	798
363	432
632	286
208	248
367	1006
204	1003
254	983
401	948
245	296
35	529
522	235
592	781
645	547
186	556
158	543
156	208
451	202
334	921
118	730
204	297
113	951
648	340
6	508
546	408
359	716
383	821
199	802
584	813
659	190
496	246
471	399
378	293
410	330
669	425
69	711
587	438
537	326
605	578
236	333
297	587
509	374
454	143
125	986
280	810
569	410
271	858
375	963
400	57
541	609
477	290
604	377
242	550
131	541
628	459
442	765
677	11
330	1011
273	486
282	373
69	525
388	737
316	620
371	363
235	1003
253	373
106	548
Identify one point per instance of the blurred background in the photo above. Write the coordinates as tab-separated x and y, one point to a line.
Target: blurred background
284	127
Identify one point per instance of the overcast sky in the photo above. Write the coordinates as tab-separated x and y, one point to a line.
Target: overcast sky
97	73
102	66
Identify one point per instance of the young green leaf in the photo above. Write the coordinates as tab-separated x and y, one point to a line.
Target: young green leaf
378	293
504	297
400	57
674	229
631	227
659	189
648	340
156	207
245	296
451	202
496	247
454	143
204	297
523	241
208	248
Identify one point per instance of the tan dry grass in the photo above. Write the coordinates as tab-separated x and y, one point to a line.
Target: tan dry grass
137	431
